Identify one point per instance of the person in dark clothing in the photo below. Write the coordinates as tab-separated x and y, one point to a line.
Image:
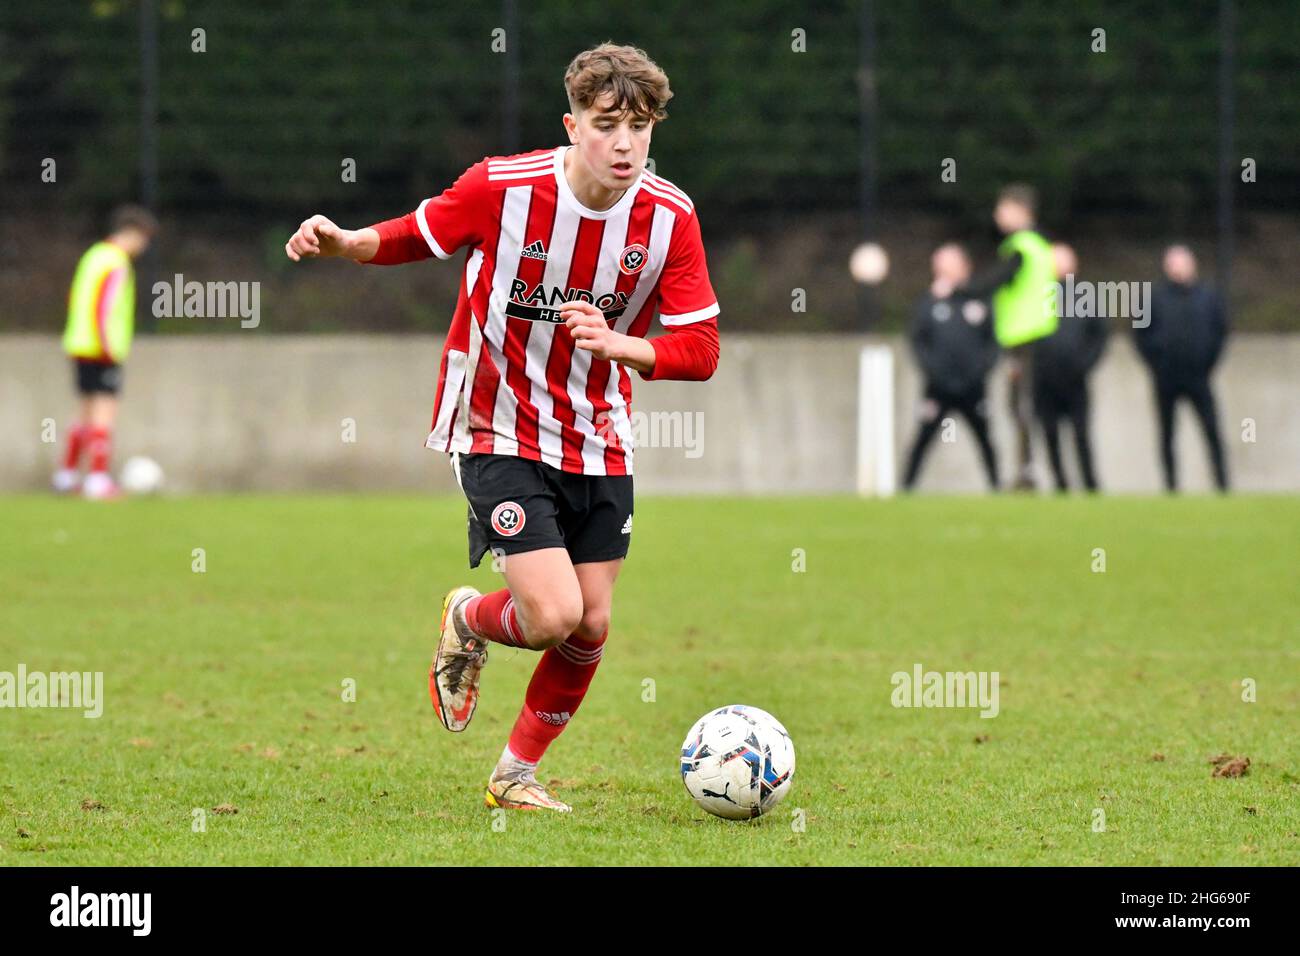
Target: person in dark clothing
1181	345
952	338
1062	362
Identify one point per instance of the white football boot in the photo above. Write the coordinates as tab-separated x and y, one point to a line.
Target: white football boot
457	663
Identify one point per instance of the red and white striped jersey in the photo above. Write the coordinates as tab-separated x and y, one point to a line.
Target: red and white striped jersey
511	381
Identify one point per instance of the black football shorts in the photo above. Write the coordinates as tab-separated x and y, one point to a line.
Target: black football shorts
97	377
518	505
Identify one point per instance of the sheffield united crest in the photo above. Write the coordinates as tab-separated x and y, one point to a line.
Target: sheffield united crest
633	259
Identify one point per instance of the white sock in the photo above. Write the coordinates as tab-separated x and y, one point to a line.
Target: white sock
511	766
461	623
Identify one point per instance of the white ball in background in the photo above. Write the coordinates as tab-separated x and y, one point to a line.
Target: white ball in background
141	476
869	263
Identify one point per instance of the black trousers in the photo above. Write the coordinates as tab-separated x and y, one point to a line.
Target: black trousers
1197	391
936	405
1069	402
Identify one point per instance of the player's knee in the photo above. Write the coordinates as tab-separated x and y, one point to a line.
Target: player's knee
594	624
553	623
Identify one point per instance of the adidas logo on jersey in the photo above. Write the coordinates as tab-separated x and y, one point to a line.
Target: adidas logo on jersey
534	250
627	525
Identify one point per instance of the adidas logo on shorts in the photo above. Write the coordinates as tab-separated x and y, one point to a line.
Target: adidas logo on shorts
627	525
534	250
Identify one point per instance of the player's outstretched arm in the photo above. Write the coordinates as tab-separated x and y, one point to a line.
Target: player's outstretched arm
318	237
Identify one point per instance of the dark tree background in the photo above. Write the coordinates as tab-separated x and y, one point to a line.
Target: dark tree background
253	132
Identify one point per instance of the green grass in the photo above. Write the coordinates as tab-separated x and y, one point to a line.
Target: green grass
225	687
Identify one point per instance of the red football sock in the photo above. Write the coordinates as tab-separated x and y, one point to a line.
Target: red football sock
492	617
559	683
77	435
100	442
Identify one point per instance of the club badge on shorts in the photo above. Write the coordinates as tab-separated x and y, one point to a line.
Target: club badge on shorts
633	259
508	519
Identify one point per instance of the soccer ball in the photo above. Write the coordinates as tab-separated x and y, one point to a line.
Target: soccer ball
737	762
141	476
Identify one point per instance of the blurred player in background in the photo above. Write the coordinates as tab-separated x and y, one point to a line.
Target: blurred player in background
101	322
952	338
1181	345
1016	285
571	251
1062	363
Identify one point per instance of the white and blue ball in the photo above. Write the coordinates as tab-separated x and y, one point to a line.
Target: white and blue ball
737	762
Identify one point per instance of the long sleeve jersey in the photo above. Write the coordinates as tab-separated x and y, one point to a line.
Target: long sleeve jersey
511	381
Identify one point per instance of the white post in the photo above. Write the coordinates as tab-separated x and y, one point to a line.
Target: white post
876	421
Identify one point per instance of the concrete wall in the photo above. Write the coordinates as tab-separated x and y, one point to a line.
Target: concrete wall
255	411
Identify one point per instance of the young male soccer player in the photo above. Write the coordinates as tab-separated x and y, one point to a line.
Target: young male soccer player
101	321
571	251
1020	316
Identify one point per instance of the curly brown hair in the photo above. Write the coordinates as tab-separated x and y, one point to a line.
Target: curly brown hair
637	82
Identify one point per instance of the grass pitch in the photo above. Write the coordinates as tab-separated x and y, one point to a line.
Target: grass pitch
224	689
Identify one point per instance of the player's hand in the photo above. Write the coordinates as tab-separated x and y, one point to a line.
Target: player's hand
591	331
317	237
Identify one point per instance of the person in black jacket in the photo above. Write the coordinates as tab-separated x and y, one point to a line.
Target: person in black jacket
952	338
1181	346
1062	363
